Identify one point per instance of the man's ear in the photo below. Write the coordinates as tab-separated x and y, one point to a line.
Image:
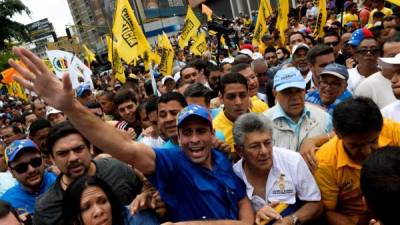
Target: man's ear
274	92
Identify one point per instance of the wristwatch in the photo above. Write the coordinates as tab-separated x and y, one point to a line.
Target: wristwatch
295	219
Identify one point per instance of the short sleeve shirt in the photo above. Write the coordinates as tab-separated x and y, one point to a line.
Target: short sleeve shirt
193	192
386	11
24	201
392	111
338	176
288	179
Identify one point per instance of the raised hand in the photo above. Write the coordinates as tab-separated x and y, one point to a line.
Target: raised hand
42	81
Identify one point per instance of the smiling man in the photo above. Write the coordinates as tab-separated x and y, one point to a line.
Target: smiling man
332	87
126	104
213	193
27	166
293	119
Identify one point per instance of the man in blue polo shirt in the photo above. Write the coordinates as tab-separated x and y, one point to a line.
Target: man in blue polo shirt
195	181
27	166
209	189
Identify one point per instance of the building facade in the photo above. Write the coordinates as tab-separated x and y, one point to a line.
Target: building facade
40	32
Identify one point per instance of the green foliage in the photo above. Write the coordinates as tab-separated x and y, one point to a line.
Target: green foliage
4	56
11	30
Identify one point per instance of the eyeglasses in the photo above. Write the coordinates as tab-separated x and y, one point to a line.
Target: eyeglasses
325	84
333	44
373	51
23	167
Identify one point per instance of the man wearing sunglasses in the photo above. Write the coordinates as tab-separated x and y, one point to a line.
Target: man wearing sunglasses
332	39
378	86
360	40
26	164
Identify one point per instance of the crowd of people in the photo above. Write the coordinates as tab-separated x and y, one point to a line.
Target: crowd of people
301	132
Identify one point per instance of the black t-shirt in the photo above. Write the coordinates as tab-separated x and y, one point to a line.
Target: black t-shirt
119	176
341	59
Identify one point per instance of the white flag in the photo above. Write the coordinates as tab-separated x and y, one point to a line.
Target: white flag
78	69
66	62
60	61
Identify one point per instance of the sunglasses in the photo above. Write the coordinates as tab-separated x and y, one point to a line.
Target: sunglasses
23	167
333	44
373	51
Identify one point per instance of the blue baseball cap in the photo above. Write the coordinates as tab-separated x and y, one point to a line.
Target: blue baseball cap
358	35
289	78
191	111
81	89
336	70
17	146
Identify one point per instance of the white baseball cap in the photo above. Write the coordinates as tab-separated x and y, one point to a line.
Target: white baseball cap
247	52
165	78
391	60
51	110
299	46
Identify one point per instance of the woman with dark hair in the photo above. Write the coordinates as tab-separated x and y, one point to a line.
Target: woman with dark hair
90	201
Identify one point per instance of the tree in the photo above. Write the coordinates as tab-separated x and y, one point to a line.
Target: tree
4	56
11	30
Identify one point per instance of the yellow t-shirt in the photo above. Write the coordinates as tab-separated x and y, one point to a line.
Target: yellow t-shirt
257	105
338	177
386	11
223	124
247	22
348	17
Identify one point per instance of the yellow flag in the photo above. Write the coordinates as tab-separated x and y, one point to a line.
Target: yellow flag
321	19
119	69
16	90
110	48
223	42
261	28
167	56
189	29
206	10
268	8
396	2
200	45
113	58
283	19
89	55
131	42
154	57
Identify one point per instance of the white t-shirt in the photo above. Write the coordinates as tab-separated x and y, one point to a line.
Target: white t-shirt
7	181
354	80
288	178
378	88
392	111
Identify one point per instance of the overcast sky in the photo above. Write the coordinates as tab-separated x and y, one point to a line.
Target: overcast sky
57	11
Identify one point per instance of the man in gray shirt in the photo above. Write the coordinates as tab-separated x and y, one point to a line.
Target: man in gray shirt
70	151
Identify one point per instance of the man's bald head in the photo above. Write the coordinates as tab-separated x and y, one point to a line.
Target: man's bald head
259	66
